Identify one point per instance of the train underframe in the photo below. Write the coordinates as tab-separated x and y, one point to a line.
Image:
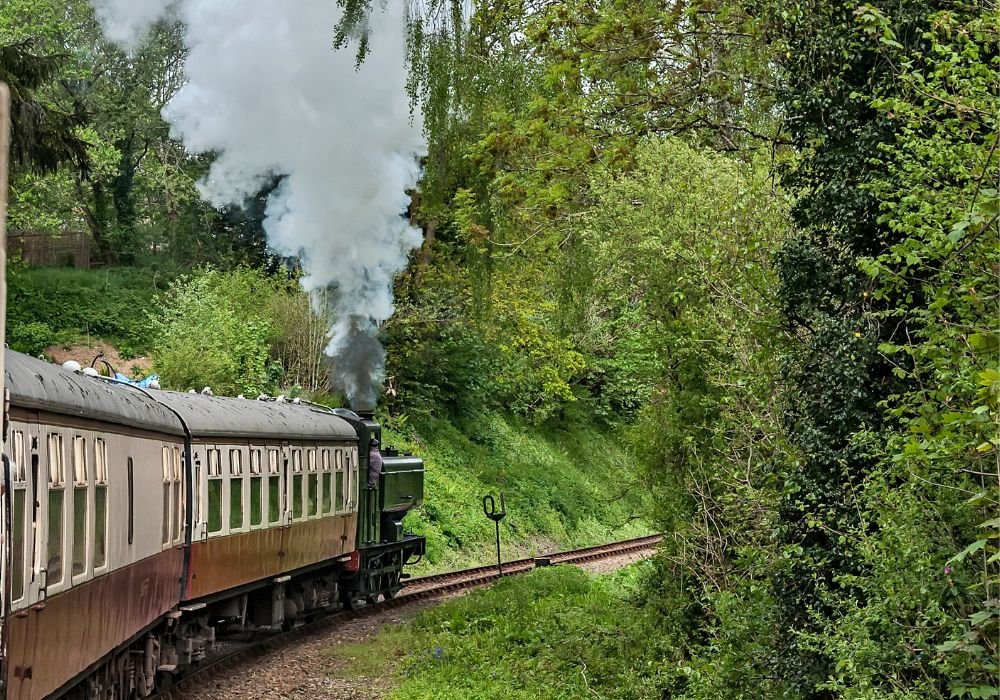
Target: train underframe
379	570
185	637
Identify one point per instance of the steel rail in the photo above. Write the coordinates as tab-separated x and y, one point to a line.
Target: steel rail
415	589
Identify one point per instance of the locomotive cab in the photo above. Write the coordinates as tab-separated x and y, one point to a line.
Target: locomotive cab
383	546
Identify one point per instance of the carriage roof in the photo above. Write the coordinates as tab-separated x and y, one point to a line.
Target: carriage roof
215	416
38	385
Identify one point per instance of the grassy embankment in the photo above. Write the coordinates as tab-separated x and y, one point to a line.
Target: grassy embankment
555	633
567	486
65	306
564	485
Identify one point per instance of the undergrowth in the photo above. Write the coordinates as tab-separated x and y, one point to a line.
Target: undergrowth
59	305
554	633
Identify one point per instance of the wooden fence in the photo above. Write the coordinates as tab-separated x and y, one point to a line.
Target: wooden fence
66	249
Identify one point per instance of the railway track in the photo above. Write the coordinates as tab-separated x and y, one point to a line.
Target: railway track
232	653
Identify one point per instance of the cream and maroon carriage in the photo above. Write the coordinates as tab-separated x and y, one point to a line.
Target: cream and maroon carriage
143	523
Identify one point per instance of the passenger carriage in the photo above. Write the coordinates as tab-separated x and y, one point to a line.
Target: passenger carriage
140	524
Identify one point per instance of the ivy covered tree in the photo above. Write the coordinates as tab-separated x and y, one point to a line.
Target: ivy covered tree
875	108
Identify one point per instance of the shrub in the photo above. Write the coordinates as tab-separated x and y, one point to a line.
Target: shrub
31	338
241	331
204	339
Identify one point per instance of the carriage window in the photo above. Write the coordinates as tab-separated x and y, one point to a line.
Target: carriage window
80	484
312	482
100	503
57	473
57	464
256	490
17	524
273	487
168	477
178	496
214	491
79	461
338	502
351	475
327	481
296	491
235	490
131	501
214	463
18	466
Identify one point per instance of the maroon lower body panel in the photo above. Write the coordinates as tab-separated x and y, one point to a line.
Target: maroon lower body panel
52	643
220	563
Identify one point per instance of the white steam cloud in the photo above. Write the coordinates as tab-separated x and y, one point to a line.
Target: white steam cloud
268	94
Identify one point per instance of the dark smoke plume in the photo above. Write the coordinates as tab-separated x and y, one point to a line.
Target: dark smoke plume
359	364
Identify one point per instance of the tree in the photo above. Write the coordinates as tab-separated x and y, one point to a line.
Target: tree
853	194
43	136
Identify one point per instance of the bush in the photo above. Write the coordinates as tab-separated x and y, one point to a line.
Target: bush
204	339
553	633
30	338
240	331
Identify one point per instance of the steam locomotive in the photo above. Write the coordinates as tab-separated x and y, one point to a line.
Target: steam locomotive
138	525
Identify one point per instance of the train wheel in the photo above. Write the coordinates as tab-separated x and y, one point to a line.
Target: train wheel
352	600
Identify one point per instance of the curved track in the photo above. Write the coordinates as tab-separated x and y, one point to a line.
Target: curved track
233	652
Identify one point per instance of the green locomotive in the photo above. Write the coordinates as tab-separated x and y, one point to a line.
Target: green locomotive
383	547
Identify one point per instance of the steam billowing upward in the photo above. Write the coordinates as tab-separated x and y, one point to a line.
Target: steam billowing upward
268	95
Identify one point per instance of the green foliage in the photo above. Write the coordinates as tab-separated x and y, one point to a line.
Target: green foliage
241	331
43	203
683	242
887	294
42	135
442	354
515	147
929	550
211	333
91	150
31	338
68	304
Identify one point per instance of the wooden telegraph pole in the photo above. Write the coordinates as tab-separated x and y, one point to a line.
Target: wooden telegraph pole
4	156
5	520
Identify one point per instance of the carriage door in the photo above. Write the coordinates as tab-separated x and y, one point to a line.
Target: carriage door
30	496
37	506
199	523
50	525
6	547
